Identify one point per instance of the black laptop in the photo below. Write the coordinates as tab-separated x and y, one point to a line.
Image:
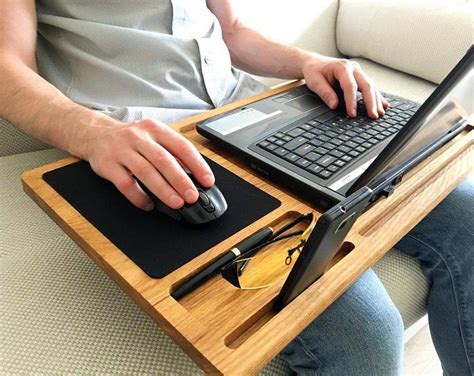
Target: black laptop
324	156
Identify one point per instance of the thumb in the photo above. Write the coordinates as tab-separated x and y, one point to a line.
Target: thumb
322	87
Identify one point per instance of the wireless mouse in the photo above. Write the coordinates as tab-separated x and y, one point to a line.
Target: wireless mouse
210	205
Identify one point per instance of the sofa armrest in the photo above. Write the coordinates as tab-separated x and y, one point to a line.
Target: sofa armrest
14	141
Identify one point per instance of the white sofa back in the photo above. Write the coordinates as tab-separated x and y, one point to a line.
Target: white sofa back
425	38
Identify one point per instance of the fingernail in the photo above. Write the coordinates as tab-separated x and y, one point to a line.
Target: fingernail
190	195
176	201
150	206
208	180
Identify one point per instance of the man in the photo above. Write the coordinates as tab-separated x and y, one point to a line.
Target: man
115	75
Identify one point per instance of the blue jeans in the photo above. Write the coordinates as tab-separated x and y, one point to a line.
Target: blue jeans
362	332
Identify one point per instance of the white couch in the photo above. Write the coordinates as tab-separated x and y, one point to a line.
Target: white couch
60	313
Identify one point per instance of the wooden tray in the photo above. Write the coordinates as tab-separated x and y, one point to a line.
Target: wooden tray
230	331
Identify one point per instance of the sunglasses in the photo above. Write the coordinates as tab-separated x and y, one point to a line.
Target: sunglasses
266	264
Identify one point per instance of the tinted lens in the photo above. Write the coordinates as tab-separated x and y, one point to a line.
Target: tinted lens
265	268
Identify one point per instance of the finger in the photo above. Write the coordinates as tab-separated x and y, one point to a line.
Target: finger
345	76
369	95
185	151
170	169
129	187
385	102
144	171
380	106
321	86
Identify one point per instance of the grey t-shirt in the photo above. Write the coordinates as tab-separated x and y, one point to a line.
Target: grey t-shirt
160	59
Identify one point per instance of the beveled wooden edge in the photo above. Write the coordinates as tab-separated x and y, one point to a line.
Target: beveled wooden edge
429	183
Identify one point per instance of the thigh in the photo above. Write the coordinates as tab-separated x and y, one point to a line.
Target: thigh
443	242
361	333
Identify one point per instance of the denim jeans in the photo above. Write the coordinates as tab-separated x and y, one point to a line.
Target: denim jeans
362	332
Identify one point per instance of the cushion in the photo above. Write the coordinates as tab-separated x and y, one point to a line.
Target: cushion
14	141
424	38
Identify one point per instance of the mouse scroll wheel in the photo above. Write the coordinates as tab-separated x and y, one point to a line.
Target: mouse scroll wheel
205	202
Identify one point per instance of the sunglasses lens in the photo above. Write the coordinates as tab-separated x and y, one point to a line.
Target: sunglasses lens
265	268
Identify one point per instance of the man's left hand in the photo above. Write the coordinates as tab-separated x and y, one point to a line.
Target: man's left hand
321	72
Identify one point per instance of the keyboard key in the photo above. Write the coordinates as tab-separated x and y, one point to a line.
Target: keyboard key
326	160
406	106
373	141
344	148
292	157
316	142
309	135
359	140
331	134
344	137
296	132
346	158
351	144
303	162
351	133
324	138
287	138
312	122
303	150
312	156
314	168
296	143
386	133
328	146
339	163
280	142
280	152
321	150
271	139
380	137
354	153
336	141
264	144
360	149
271	147
307	127
336	153
333	168
280	135
365	135
325	174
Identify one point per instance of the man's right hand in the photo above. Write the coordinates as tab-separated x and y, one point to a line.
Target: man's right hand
153	153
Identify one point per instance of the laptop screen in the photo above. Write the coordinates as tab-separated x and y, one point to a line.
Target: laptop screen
448	106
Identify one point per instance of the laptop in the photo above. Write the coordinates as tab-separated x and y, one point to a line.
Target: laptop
294	139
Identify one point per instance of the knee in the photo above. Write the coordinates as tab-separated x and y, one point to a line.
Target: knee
361	332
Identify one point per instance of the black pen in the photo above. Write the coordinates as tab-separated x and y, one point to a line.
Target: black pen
252	241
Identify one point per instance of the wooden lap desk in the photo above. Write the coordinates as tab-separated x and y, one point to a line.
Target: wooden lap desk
231	331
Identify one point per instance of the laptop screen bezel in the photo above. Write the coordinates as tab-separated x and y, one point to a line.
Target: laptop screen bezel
378	166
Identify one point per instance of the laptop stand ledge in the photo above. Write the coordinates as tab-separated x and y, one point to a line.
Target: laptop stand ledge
230	331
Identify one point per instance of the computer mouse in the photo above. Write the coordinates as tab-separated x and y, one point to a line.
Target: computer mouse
210	205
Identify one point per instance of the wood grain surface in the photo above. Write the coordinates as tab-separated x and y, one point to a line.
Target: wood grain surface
230	331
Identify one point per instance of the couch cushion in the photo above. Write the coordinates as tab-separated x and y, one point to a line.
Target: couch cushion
424	38
396	82
14	141
60	313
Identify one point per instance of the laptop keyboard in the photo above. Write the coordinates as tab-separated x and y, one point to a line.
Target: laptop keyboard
325	144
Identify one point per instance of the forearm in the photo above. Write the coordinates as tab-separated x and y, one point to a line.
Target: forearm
41	110
255	54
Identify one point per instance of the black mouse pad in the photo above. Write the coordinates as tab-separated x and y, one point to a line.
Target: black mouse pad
154	241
